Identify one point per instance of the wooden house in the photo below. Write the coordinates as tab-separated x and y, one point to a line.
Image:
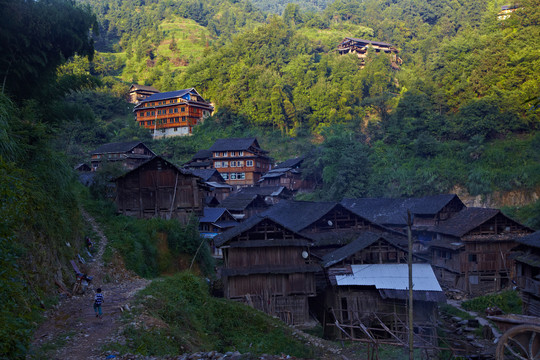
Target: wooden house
243	206
158	188
201	160
271	194
330	224
172	113
527	258
128	154
268	266
472	250
217	187
83	167
138	93
213	222
241	161
426	212
361	47
287	174
368	302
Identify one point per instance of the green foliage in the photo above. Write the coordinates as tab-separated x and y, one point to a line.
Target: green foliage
528	215
195	321
508	301
141	245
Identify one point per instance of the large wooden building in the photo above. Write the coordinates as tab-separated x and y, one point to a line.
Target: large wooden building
472	250
158	188
269	267
172	113
129	155
241	161
287	174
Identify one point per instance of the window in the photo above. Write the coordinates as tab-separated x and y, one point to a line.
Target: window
472	258
258	164
170	111
183	118
170	102
240	163
233	176
164	121
233	163
175	110
182	109
249	163
240	176
153	113
218	164
159	103
216	154
240	153
153	122
175	129
148	113
225	176
225	154
233	153
224	164
177	119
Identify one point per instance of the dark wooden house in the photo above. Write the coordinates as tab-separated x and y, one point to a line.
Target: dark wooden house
201	160
426	212
472	250
243	206
268	266
138	93
158	188
330	224
217	187
213	222
271	194
287	174
527	258
127	154
241	161
361	47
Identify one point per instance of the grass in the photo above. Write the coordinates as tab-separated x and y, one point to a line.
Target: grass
186	318
508	301
452	311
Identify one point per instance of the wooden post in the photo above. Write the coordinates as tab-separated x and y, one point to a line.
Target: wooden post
411	324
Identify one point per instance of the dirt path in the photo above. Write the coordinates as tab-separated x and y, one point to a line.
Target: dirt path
71	330
481	320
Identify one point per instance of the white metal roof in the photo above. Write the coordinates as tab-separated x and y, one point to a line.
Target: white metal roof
391	276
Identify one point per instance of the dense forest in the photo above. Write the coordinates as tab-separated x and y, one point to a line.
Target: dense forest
462	110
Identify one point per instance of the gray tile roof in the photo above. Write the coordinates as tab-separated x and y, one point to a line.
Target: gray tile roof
363	241
167	95
465	221
211	215
390	211
205	174
291	163
531	240
262	190
117	147
298	215
235	144
239	201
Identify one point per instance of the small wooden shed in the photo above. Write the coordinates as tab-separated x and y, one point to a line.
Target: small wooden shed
158	188
527	258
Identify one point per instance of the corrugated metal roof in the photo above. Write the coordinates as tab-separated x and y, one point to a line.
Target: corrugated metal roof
391	276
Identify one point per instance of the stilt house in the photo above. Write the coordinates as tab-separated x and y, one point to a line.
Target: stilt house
472	250
268	266
527	258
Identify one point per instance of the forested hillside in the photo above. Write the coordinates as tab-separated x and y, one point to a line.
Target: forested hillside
459	111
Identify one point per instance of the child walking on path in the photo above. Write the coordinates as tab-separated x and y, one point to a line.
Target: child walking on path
98	300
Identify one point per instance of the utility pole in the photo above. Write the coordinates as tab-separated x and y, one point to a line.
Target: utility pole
409	261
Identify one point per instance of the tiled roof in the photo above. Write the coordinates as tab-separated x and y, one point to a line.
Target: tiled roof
363	241
143	87
291	163
117	147
167	95
157	158
239	201
202	155
465	221
222	238
211	215
204	174
394	211
380	43
234	144
297	215
531	240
